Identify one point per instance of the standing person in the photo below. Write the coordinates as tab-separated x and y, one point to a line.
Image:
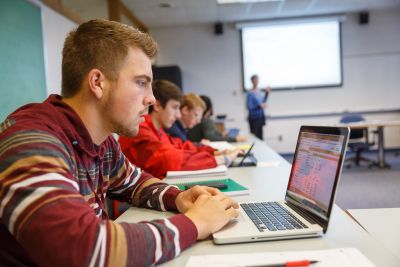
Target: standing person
256	103
157	152
58	162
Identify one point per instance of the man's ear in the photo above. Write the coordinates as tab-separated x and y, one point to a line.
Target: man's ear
96	81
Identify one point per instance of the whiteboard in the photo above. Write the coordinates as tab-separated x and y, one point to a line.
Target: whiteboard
22	74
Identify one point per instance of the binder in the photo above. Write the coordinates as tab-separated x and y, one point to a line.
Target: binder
233	188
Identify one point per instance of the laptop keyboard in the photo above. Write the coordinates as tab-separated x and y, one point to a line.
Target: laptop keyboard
272	216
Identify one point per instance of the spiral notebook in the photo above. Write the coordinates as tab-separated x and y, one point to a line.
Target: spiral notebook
233	188
217	171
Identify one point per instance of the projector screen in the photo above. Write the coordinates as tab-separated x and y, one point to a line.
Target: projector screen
292	55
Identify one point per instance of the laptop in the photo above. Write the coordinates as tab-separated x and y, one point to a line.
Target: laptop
310	194
233	132
247	160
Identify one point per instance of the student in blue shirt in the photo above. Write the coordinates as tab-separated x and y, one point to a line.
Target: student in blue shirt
256	103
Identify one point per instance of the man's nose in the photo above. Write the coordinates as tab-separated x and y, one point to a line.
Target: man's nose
178	114
150	99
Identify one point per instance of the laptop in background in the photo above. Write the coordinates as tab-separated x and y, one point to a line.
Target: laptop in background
233	132
247	160
310	195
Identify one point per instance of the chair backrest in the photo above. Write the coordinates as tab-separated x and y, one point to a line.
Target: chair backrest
354	117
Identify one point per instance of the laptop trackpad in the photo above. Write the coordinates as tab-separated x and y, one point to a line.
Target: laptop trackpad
234	223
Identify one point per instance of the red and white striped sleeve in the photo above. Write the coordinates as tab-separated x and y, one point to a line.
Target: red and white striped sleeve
42	208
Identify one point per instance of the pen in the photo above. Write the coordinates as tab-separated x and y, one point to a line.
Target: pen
286	264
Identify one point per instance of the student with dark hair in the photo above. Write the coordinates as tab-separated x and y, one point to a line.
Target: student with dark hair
206	129
157	152
59	161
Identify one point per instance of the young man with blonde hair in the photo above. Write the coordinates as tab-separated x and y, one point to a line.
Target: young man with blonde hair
192	111
58	161
157	152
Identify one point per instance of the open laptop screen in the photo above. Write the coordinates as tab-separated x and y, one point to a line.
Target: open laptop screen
316	169
248	152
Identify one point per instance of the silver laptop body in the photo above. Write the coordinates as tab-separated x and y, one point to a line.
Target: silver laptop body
310	195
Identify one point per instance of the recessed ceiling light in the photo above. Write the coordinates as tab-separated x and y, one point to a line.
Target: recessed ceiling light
222	2
165	5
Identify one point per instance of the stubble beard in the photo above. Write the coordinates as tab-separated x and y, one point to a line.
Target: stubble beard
124	130
127	132
114	125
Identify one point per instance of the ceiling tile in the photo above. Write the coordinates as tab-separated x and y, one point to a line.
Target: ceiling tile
184	12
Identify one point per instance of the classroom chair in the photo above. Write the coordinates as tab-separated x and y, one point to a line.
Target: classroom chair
358	141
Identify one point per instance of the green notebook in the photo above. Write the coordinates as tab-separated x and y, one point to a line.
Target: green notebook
233	188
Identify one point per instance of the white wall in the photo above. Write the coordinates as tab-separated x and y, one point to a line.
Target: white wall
371	71
55	28
210	64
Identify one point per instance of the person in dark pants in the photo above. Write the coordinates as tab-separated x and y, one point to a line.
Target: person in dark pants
256	103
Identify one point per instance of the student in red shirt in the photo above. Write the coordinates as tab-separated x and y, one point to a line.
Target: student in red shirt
59	161
157	152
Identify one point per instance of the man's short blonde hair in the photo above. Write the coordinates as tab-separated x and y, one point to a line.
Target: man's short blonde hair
191	101
100	44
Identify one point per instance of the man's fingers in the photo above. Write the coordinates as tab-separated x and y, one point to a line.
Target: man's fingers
213	191
232	213
210	191
235	205
232	203
202	198
221	196
201	190
223	199
228	203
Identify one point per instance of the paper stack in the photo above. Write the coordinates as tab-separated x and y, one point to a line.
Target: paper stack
217	171
343	257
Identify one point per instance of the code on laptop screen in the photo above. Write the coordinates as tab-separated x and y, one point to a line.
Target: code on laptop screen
314	171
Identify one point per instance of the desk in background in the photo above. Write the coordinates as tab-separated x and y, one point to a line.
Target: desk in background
269	183
379	125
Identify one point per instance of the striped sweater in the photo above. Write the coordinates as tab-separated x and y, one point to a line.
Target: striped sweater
53	181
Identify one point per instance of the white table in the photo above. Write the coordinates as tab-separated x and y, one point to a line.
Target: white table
379	125
382	224
270	183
